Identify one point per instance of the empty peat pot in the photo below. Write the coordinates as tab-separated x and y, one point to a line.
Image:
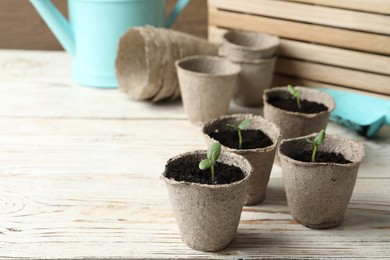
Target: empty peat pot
261	158
295	124
249	45
318	193
255	77
207	215
206	84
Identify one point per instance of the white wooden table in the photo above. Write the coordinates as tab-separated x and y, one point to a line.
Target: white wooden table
80	167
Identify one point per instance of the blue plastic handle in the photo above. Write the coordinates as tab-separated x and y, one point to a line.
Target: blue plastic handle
175	12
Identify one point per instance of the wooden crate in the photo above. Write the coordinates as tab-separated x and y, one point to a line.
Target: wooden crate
323	42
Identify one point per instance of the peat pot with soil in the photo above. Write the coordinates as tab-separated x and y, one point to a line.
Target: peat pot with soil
253	137
207	191
298	111
319	174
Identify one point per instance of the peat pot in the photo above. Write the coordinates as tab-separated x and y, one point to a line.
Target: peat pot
260	158
207	215
318	193
206	85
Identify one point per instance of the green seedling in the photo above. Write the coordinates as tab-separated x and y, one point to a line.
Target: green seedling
212	156
241	126
296	93
319	139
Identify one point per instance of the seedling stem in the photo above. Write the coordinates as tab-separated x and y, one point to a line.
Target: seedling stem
296	93
319	139
212	156
241	126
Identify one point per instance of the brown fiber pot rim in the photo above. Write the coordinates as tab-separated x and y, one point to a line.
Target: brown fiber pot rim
272	40
255	62
357	161
253	117
244	165
223	67
331	106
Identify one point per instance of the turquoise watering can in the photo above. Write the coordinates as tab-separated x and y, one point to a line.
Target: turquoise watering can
92	33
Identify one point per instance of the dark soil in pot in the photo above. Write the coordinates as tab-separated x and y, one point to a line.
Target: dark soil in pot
290	104
322	157
188	170
251	138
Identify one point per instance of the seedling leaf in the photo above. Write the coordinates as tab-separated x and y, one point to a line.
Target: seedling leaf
296	93
214	151
205	164
212	156
293	91
241	126
244	124
310	141
232	126
319	139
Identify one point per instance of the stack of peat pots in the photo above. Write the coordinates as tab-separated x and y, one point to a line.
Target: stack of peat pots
145	63
255	53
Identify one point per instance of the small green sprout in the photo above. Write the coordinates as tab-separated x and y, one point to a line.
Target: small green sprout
319	139
241	126
212	156
296	93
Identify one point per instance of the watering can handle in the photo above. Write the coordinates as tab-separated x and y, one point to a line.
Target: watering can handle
57	23
175	12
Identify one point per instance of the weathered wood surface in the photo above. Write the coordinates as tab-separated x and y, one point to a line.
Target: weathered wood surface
374	6
331	36
316	14
80	174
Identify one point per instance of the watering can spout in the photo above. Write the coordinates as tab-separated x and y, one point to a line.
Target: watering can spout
57	23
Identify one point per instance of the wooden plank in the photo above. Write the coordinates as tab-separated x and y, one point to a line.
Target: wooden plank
374	6
300	31
284	80
309	13
323	54
126	225
335	56
334	75
77	146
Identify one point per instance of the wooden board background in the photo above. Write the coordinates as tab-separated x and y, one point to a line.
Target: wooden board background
343	44
22	28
